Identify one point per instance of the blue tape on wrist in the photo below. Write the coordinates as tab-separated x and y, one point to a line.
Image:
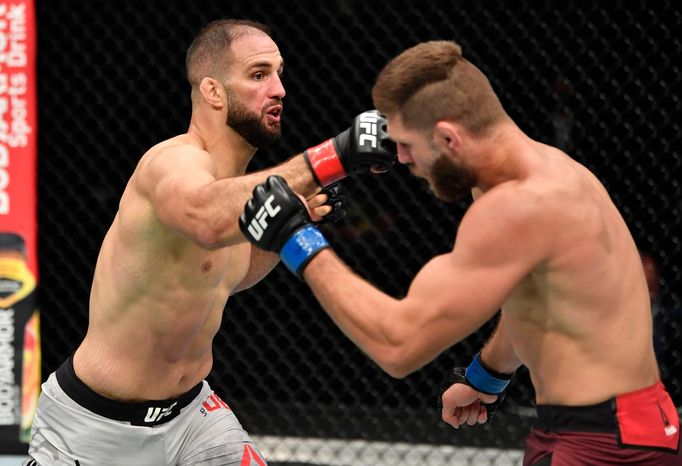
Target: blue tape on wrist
482	381
302	246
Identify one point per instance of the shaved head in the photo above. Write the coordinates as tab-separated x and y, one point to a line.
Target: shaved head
209	53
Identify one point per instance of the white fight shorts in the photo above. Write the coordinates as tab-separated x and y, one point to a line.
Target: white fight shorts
76	426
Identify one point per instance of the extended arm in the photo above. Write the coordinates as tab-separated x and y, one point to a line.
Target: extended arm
449	298
452	296
188	196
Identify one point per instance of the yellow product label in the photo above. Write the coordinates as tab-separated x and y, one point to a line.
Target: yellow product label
20	338
30	381
16	281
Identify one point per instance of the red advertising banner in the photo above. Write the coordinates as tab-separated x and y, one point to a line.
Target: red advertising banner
19	328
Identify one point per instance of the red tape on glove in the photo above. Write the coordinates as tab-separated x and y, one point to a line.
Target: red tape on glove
325	163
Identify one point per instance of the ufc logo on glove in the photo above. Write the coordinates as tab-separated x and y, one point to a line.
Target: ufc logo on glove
368	123
260	223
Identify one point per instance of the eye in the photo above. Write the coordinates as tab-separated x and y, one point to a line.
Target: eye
259	76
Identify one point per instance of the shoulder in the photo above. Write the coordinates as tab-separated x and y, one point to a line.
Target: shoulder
512	205
175	151
173	157
509	220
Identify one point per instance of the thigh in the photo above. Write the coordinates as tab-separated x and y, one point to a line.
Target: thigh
215	436
63	433
48	444
225	453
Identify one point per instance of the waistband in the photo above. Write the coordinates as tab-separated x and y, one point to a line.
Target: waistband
600	417
143	413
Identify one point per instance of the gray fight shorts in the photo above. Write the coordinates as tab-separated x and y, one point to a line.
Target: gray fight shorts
76	426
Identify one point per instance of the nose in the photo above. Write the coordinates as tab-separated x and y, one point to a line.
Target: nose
403	155
277	89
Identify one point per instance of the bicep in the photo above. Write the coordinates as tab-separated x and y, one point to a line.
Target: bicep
455	293
455	297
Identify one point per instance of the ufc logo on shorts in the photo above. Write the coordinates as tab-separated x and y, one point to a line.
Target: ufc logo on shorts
368	124
214	402
156	413
259	223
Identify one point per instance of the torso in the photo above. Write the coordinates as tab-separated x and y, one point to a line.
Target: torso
156	303
581	321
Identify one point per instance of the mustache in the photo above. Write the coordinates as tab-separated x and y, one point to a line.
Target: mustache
273	102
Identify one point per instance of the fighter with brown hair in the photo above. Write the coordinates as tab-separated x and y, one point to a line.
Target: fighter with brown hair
542	241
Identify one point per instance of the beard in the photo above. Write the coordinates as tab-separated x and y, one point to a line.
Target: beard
250	126
451	180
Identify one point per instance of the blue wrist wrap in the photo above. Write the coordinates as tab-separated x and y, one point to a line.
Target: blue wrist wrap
302	246
481	380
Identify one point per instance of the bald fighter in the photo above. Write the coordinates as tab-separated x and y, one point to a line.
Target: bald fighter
134	391
542	241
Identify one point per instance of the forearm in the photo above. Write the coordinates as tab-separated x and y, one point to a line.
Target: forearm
498	353
359	309
223	201
262	263
296	172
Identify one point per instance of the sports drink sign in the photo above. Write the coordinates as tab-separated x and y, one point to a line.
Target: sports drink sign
19	329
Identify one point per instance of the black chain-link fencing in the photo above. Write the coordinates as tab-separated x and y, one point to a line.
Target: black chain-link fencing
600	80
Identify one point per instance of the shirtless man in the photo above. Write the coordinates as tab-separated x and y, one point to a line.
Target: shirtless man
542	241
134	391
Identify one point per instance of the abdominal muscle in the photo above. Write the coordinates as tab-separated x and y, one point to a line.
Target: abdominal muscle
133	360
153	317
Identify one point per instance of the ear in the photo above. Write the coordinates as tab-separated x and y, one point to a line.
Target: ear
213	92
446	135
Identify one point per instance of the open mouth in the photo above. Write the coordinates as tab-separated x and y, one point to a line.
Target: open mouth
275	113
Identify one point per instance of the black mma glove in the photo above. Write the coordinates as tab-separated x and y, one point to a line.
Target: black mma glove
363	146
481	379
276	220
337	201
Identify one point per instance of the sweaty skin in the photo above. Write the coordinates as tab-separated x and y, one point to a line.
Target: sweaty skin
174	253
544	242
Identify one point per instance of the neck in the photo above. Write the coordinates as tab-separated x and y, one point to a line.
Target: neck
502	156
230	151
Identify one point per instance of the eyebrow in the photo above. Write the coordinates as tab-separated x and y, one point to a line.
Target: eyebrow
265	64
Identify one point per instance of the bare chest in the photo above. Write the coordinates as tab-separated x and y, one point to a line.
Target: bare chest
224	268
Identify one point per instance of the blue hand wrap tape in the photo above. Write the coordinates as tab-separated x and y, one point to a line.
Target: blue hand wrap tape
302	246
482	381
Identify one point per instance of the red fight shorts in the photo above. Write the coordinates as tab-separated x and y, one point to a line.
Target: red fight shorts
637	428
